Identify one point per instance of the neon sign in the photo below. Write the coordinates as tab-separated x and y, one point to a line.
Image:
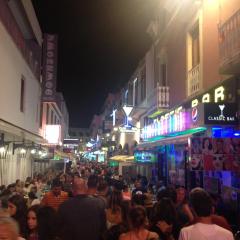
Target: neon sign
206	98
174	121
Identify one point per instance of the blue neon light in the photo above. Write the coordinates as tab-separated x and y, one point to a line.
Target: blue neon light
218	132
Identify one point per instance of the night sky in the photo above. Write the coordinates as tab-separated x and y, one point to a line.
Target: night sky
100	45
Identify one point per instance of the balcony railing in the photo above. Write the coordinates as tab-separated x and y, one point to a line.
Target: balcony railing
229	45
30	51
194	80
158	98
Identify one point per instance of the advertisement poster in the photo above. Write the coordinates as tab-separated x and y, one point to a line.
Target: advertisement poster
215	154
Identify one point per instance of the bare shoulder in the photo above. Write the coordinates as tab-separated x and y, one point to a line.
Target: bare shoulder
153	236
123	236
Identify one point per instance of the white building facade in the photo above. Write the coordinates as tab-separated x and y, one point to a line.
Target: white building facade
20	91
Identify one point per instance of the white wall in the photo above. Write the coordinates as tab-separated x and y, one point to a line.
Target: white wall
12	68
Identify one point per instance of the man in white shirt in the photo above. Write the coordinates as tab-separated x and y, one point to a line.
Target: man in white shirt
204	229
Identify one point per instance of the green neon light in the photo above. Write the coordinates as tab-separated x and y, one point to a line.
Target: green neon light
176	134
155	114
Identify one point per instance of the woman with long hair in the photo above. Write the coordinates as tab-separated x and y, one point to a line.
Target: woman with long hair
138	226
114	208
32	223
17	209
164	220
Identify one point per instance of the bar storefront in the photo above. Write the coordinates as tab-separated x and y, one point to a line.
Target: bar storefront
198	143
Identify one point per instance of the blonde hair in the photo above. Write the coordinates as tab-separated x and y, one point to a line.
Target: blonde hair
11	225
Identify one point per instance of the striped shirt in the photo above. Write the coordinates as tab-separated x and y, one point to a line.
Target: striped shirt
53	201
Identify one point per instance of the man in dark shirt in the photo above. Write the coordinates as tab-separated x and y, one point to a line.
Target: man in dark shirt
81	217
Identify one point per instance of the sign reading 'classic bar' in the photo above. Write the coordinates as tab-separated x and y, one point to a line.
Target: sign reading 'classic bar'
220	114
50	48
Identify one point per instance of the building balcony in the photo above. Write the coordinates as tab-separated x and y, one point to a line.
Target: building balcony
229	45
194	80
155	102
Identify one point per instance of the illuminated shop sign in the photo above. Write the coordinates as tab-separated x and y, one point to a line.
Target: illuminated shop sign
217	96
53	134
50	48
174	121
226	92
145	156
220	114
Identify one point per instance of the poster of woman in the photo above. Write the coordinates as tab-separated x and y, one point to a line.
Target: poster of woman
196	146
218	146
215	162
207	147
196	162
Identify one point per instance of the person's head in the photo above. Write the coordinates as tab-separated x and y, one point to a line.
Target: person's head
18	182
28	179
196	161
92	181
102	188
181	194
218	162
201	202
137	184
32	196
8	229
206	144
164	210
32	217
79	185
63	178
56	186
168	192
33	189
11	187
137	217
17	206
138	199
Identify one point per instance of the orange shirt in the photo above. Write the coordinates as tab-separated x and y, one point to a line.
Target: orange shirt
53	201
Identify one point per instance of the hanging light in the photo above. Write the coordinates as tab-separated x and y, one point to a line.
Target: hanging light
2	150
44	154
23	151
33	151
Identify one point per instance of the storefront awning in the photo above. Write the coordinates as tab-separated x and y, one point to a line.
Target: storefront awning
171	138
122	158
61	155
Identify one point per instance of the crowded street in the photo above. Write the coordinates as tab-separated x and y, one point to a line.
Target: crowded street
120	120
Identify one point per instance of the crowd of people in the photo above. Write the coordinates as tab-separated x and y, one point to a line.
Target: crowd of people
93	202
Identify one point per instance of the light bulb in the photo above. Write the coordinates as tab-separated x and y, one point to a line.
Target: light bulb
2	149
33	151
23	151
